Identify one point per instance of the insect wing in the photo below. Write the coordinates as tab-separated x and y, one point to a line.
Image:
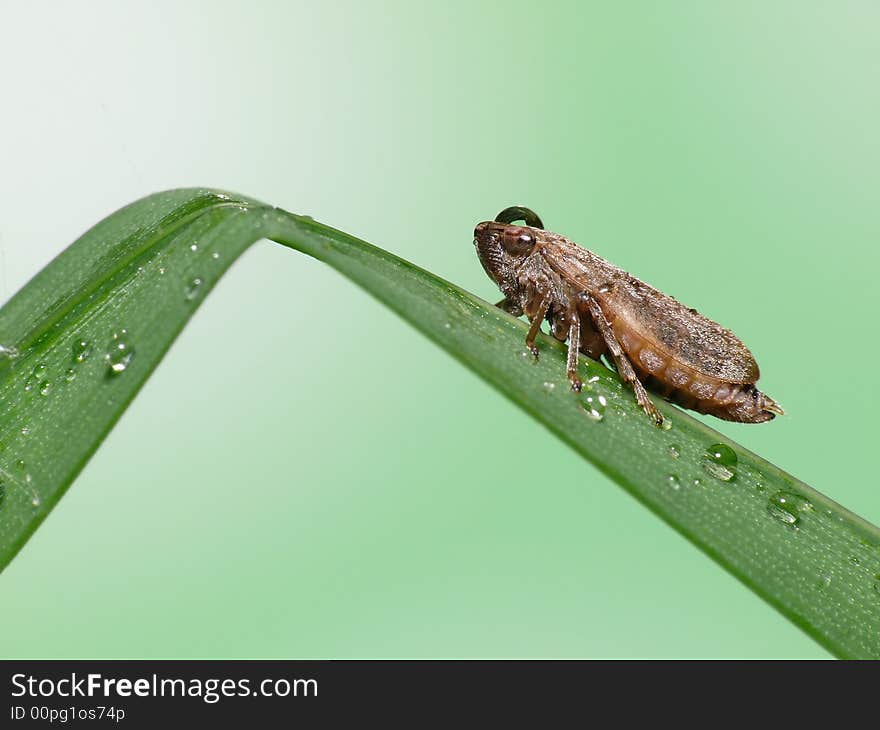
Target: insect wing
681	333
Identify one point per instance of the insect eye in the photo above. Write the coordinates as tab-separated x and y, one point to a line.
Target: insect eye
518	241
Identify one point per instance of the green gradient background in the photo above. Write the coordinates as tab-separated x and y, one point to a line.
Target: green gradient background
305	476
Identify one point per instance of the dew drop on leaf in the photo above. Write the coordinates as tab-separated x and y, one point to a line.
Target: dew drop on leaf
778	512
192	289
787	507
594	406
719	462
35	498
81	350
119	353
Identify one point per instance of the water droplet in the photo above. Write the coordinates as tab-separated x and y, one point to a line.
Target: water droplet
8	351
674	451
854	560
46	387
194	247
877	582
81	350
719	462
783	515
70	375
161	269
674	482
590	381
595	406
447	326
119	353
787	507
697	482
40	370
215	255
25	430
29	384
192	288
549	387
20	465
759	487
824	582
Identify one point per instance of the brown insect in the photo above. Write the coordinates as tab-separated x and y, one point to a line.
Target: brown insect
653	339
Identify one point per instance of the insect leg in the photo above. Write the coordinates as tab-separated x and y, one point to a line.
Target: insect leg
624	367
537	321
510	307
574	346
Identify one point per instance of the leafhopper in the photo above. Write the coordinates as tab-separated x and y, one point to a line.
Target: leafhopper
653	340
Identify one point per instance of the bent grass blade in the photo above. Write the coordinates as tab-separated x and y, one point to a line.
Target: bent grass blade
82	337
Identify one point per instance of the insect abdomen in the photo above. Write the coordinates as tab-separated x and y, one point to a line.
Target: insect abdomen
675	381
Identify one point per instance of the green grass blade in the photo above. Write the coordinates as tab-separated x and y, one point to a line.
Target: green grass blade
147	267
